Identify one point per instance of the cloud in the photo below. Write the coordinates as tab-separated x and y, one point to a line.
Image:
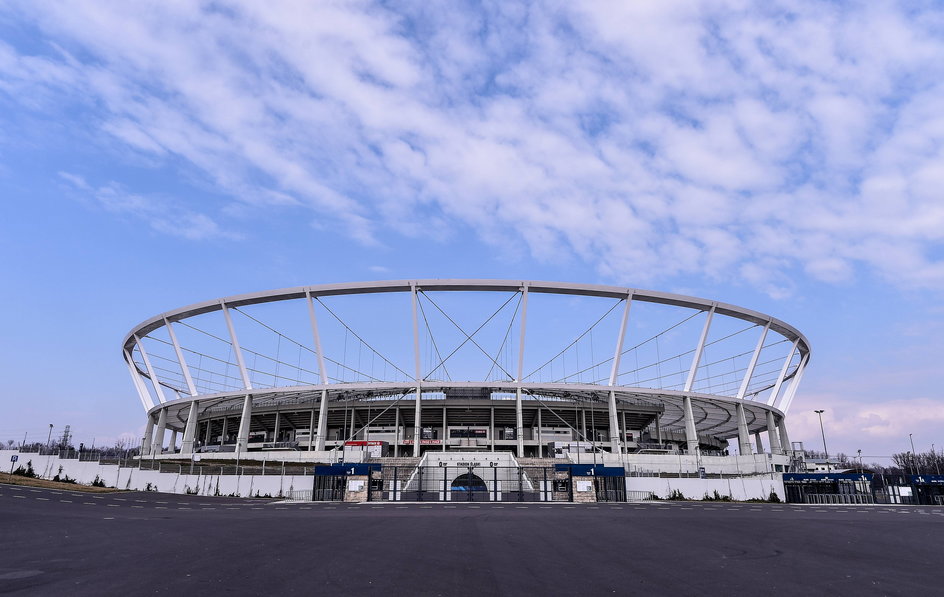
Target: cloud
650	140
162	215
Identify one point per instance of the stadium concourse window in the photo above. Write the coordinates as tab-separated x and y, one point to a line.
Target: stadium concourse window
468	433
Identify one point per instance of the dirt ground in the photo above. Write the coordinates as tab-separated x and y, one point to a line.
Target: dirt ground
32	482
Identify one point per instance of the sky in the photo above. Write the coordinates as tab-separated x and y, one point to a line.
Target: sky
787	157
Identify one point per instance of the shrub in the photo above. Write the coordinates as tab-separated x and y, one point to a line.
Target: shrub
26	472
774	498
98	482
676	495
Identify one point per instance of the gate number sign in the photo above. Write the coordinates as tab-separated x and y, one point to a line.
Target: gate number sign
14	457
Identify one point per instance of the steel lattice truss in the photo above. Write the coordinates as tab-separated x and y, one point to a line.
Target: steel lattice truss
554	342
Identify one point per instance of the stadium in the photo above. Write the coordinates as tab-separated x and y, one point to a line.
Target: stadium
470	375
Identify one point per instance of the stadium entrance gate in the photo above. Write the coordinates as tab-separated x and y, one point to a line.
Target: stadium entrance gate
469	484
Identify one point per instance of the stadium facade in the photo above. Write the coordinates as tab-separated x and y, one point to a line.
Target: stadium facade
522	368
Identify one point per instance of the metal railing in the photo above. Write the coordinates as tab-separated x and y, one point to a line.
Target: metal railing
839	498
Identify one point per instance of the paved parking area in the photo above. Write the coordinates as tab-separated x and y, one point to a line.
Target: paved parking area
86	544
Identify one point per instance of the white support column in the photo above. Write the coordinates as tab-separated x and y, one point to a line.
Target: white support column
190	430
791	391
783	373
396	443
180	358
418	407
157	447
242	438
691	433
311	429
540	443
744	436
148	434
760	444
172	446
445	437
236	349
616	444
139	386
491	433
753	364
772	436
155	382
323	407
519	415
784	438
275	432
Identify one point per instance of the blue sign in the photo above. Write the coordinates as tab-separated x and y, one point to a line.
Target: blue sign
14	457
825	477
591	470
346	469
927	479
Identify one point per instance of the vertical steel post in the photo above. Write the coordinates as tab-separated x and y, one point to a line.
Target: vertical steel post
615	441
180	358
783	373
190	430
794	384
155	382
753	364
143	394
323	407
418	407
691	433
519	416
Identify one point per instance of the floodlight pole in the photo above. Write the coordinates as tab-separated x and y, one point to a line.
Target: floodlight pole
823	432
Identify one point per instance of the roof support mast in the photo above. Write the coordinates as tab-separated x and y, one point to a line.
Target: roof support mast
242	437
323	372
615	440
519	416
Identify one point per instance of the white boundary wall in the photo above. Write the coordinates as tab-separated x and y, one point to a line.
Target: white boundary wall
738	489
135	479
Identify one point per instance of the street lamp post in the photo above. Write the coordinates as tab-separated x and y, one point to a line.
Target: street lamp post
860	462
49	437
822	430
937	462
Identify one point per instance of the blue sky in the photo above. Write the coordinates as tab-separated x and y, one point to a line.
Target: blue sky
786	157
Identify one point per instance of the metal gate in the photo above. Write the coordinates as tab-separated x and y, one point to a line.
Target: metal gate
328	488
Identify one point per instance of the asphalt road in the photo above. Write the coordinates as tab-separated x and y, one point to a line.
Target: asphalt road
60	542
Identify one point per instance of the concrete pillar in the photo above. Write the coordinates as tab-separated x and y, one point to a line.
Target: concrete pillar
540	443
691	434
322	422
519	424
784	438
225	431
772	434
172	446
417	422
311	431
615	443
148	434
206	440
760	444
445	436
275	432
157	447
659	428
744	436
242	437
491	433
190	431
583	425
